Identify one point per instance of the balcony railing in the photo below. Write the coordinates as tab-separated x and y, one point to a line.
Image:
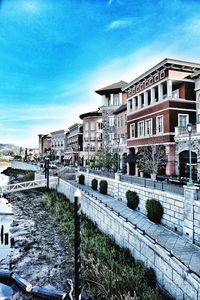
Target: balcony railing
182	131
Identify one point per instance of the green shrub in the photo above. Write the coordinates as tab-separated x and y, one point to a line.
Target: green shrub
150	277
29	176
81	179
132	199
103	187
154	210
94	184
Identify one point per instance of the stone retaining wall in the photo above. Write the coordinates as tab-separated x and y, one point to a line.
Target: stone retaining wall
172	203
171	274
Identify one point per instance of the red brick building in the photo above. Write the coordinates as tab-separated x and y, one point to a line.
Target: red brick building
158	101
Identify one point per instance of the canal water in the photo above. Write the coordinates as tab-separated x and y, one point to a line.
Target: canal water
5	222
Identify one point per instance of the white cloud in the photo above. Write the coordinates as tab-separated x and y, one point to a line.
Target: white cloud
118	24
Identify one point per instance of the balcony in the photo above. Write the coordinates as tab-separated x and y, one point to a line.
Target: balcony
182	131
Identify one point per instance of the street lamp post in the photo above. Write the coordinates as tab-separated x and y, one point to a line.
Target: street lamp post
47	170
88	154
118	161
189	129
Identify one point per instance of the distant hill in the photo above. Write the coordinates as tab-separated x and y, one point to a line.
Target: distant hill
5	149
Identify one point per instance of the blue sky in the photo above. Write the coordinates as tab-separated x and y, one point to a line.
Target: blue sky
55	53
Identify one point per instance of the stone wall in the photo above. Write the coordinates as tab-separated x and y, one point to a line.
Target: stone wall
15	164
172	203
172	275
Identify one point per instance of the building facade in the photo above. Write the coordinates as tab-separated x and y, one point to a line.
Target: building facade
121	136
92	136
112	98
74	142
158	101
58	143
44	144
182	139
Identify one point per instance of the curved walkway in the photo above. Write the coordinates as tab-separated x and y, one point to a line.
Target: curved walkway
177	246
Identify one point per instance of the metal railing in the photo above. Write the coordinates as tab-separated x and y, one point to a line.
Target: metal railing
103	173
148	183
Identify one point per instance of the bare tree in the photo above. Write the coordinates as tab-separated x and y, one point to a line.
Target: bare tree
151	159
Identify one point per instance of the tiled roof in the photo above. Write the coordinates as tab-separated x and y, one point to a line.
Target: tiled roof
114	86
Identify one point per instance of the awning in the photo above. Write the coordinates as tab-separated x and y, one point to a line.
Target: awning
67	157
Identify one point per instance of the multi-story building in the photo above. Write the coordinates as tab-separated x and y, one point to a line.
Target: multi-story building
121	135
158	101
74	144
92	136
59	143
44	144
31	154
182	137
112	98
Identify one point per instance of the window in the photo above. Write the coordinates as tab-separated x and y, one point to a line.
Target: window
92	126
92	136
148	127
99	126
159	124
125	119
132	131
183	120
86	126
115	99
111	121
121	120
111	137
198	118
141	128
118	121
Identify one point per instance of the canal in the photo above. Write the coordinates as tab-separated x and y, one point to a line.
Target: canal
6	218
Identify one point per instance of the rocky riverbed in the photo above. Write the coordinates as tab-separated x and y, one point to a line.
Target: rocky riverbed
40	253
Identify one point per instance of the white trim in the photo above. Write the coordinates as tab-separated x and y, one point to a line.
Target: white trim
138	127
160	111
146	133
159	133
187	119
137	146
132	137
153	136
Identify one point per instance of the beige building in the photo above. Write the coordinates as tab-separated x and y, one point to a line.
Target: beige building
92	136
74	144
58	143
121	135
44	144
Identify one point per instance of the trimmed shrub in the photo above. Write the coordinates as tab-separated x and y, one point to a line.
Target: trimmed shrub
103	187
154	210
81	179
150	277
132	199
94	184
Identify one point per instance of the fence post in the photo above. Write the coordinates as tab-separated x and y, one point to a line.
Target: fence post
190	194
77	243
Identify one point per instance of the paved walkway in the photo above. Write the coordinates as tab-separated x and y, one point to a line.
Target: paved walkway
181	248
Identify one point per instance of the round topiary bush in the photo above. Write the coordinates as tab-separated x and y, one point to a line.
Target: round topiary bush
132	199
154	210
81	179
94	184
103	187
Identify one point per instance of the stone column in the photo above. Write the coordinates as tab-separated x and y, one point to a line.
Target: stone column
190	194
134	104
160	91
111	99
139	101
169	88
145	98
152	95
